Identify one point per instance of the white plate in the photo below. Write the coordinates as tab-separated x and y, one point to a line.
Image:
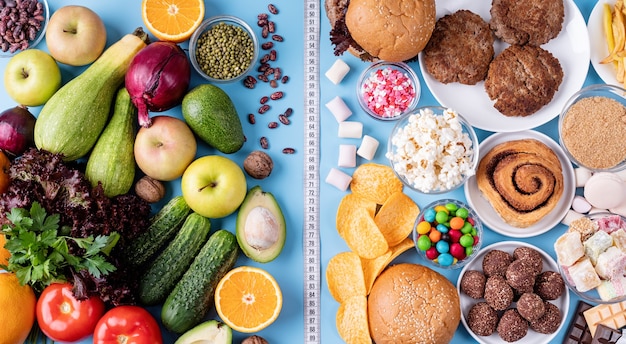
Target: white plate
467	302
571	47
490	217
599	49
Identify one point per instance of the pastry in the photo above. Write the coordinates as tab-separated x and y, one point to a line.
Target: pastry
522	180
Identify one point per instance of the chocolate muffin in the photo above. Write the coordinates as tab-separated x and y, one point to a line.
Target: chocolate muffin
512	327
549	285
531	256
521	276
473	284
496	262
498	293
550	320
530	306
482	319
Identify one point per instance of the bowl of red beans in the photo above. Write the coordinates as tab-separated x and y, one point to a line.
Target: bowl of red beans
388	91
447	234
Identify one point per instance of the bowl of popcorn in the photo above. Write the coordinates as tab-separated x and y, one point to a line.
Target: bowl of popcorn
591	255
433	150
388	90
447	233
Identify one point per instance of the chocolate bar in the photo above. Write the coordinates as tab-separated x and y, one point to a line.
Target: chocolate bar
606	335
578	331
612	315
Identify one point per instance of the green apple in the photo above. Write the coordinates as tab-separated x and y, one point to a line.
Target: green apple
31	77
214	186
75	35
165	149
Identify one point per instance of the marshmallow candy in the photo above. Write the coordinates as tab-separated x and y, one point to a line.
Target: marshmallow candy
368	147
582	175
337	71
347	156
580	204
338	179
339	109
350	130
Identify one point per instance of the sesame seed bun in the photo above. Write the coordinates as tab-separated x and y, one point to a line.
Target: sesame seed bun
410	303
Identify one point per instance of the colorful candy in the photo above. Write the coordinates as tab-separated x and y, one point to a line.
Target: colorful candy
388	92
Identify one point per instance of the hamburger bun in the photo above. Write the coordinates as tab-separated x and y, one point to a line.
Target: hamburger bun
410	303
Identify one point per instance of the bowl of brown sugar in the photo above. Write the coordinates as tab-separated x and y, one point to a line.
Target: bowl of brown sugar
592	128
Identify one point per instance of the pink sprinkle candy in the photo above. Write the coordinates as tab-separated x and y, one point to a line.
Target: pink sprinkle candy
388	92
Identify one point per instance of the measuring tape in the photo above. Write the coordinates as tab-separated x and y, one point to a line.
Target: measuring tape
311	232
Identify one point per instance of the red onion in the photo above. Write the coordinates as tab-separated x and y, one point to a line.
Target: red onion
17	127
157	79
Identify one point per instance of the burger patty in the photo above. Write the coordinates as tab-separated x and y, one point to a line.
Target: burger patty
460	48
522	79
526	22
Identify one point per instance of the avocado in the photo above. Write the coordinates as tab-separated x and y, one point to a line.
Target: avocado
208	332
212	116
261	228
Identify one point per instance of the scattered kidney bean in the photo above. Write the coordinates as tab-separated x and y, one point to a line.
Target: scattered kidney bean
263	109
272	125
277	95
264	58
269	71
278	38
283	119
288	150
264	142
271	26
272	9
251	118
262	16
265	31
267	45
263	77
264	99
284	79
273	83
277	73
273	54
288	112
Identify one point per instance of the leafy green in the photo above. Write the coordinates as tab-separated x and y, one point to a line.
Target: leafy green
41	253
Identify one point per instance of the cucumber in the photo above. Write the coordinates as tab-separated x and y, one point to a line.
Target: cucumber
112	160
72	119
161	275
163	227
192	297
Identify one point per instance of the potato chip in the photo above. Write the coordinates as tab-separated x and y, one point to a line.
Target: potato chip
399	249
396	217
372	268
360	232
351	201
344	276
351	320
375	182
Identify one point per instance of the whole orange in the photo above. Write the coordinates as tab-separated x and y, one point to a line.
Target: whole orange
4	253
17	303
5	179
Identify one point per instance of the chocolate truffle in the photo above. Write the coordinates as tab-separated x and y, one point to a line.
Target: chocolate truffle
550	320
512	327
496	262
531	256
530	306
473	284
521	276
498	293
482	319
549	285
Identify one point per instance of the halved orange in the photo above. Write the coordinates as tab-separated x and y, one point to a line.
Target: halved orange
248	299
172	20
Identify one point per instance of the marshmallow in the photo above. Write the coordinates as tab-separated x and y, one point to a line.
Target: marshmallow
581	175
337	71
339	109
338	179
368	147
580	204
350	129
347	156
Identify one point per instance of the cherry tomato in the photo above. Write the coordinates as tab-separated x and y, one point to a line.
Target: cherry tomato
127	325
63	318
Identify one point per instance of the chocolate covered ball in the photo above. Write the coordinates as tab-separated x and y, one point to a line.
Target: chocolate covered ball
549	285
530	306
498	294
550	320
512	327
521	276
473	284
531	256
482	319
496	262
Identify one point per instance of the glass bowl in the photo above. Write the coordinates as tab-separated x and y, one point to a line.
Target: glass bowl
388	91
436	235
227	73
609	290
434	150
591	133
38	37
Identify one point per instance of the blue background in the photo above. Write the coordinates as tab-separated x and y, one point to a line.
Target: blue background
286	181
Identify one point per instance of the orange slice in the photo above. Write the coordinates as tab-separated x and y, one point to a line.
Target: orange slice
172	20
248	299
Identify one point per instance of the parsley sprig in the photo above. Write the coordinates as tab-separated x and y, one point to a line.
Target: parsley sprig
40	249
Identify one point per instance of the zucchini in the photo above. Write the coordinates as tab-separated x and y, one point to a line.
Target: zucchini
112	160
72	119
192	297
163	227
160	277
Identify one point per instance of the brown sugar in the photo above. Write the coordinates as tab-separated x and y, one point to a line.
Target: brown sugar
594	130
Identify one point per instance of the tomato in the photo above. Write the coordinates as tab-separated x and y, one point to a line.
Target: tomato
127	325
63	318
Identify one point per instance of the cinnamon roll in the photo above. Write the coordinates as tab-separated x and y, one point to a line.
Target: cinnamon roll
522	180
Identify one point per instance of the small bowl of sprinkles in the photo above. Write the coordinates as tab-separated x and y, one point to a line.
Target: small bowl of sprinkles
388	90
223	49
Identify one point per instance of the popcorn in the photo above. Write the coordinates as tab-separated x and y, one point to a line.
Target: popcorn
432	152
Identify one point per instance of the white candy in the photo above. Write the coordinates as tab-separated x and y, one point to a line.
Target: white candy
368	147
580	204
347	156
339	109
582	175
350	129
337	71
338	179
570	217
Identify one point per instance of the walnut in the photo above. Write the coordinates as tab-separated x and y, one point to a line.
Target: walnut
149	189
254	340
258	165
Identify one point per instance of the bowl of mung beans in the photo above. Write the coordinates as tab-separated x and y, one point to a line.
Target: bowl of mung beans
223	49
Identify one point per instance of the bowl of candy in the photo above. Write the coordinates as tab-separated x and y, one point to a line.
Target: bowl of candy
447	234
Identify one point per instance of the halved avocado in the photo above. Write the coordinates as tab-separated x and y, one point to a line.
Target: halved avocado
261	228
208	332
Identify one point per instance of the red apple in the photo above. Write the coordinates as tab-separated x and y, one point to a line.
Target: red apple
164	150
